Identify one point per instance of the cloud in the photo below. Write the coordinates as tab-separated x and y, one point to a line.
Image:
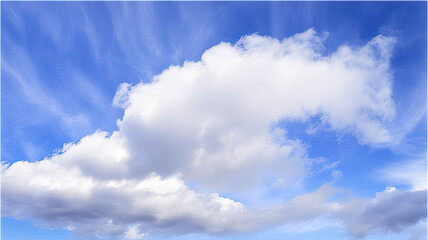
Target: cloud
218	115
412	173
59	196
56	194
390	211
122	94
21	71
336	174
138	33
212	123
133	234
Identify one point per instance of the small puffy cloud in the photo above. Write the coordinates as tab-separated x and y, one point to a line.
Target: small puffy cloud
214	123
134	234
121	96
336	174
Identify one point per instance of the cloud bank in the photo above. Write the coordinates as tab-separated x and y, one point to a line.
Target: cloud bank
389	211
215	123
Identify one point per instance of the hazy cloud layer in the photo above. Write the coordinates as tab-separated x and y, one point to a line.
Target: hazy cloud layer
214	123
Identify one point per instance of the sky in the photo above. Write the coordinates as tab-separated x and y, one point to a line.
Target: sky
213	120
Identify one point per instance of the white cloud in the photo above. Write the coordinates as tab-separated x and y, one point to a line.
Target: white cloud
134	234
122	95
336	174
19	66
60	196
312	225
214	123
56	194
215	117
412	173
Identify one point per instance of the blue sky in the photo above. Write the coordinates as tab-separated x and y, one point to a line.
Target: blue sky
63	63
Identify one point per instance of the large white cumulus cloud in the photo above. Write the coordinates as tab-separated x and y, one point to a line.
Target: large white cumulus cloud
214	123
219	115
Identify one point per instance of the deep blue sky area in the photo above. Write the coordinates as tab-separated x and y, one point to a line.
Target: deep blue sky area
62	63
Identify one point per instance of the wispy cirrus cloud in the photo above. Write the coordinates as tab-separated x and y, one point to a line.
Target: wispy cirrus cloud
412	173
19	67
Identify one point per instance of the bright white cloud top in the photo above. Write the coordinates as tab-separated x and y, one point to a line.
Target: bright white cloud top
215	123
